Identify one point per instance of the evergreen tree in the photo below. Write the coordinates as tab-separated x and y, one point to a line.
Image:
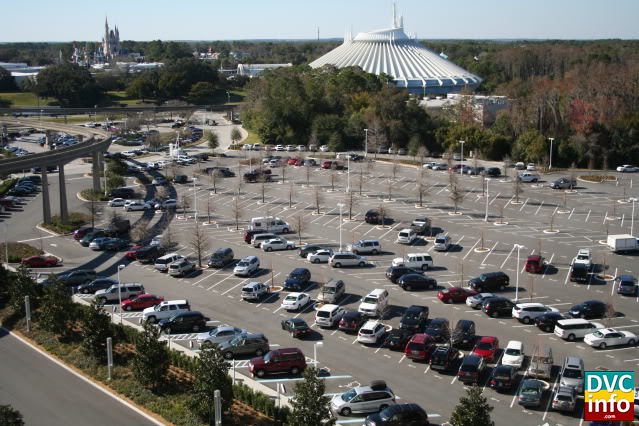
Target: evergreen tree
95	327
20	286
57	309
10	417
212	139
211	375
310	406
472	409
151	360
236	135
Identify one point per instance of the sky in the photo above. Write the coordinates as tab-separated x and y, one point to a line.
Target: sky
83	20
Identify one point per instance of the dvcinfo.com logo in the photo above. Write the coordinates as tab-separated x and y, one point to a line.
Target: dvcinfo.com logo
609	395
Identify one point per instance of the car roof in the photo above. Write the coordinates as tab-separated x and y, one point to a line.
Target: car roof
626	277
416	308
418	254
515	344
376	292
471	359
529	305
253	284
370	324
583	251
299	270
421	338
249	258
329	307
534	258
488	339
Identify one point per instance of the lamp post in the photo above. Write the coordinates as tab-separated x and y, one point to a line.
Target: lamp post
195	197
228	97
518	247
461	169
551	140
366	143
348	174
340	205
632	216
120	267
315	346
41	111
486	215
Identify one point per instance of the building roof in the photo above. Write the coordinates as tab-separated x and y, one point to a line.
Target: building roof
393	52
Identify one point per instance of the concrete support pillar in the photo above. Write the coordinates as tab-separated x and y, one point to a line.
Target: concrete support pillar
64	213
46	206
97	170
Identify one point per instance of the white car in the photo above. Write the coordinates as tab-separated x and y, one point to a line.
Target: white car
219	335
531	167
610	337
137	206
96	244
421	261
167	204
247	266
527	312
584	256
295	301
406	236
301	148
129	153
324	148
320	256
371	332
290	148
274	163
514	354
476	300
278	244
528	177
279	148
627	168
117	202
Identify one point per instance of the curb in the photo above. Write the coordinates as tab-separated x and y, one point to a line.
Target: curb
55	234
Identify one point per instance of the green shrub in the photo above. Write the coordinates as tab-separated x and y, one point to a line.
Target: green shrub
6	185
90	194
76	220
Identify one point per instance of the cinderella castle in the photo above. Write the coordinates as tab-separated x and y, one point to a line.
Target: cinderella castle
104	52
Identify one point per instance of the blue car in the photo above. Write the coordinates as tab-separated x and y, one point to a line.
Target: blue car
298	279
627	285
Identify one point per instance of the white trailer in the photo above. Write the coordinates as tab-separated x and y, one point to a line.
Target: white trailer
622	243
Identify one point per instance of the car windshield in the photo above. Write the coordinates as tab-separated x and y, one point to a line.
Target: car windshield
530	391
572	373
369	299
347	396
299	325
328	290
627	283
484	345
323	314
513	352
403	234
267	357
416	346
436	326
236	340
291	298
598	334
366	331
243	263
582	257
440	240
563	398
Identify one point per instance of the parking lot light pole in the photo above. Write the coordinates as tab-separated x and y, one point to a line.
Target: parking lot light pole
195	197
366	143
461	169
518	247
632	216
486	215
120	267
551	140
340	205
315	346
348	174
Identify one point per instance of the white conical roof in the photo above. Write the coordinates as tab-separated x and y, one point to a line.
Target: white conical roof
392	52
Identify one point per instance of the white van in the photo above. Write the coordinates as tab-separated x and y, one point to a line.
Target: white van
375	303
162	263
269	224
571	329
329	315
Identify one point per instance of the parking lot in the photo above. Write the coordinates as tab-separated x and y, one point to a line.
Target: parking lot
555	222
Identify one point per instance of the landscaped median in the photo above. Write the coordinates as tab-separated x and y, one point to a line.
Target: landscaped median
145	372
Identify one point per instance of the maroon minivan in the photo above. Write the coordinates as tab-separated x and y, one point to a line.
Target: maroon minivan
289	360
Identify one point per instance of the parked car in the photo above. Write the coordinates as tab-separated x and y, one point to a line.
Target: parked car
444	358
547	321
535	264
365	247
118	292
298	279
527	312
416	281
399	415
442	242
493	172
497	306
254	291
421	225
304	251
375	303
626	285
414	318
579	273
627	168
563	183
476	300
564	399
514	354
329	315
141	301
278	244
584	257
487	348
455	294
438	329
218	335
351	321
530	393
247	266
371	332
117	202
296	301
70	278
471	369
528	177
181	268
503	378
363	399
297	327
332	291
589	309
463	335
288	360
419	347
395	272
320	256
490	281
340	259
221	258
572	373
406	236
245	344
605	337
95	285
184	322
40	261
397	339
421	261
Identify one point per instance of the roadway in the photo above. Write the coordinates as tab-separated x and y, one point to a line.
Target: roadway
48	394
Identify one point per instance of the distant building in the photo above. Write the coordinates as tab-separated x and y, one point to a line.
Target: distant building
239	55
485	108
411	65
207	56
110	47
251	70
20	71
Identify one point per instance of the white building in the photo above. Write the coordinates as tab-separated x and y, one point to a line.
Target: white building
485	108
251	70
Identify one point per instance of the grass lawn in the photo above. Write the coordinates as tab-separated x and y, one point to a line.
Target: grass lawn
252	138
25	99
122	98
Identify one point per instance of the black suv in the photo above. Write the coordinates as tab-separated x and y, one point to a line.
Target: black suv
438	329
547	322
309	249
95	285
493	172
444	358
184	322
471	369
181	179
497	306
398	415
589	309
490	281
297	279
579	273
149	254
395	272
398	338
414	318
122	193
464	334
416	281
373	217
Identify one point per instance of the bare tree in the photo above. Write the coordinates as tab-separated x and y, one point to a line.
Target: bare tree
115	215
263	191
423	152
236	211
389	187
333	178
370	167
507	164
291	193
395	168
351	203
168	237
308	175
383	214
421	187
199	241
517	189
500	211
456	192
299	226
360	179
94	209
284	166
162	193
141	230
318	197
209	208
185	204
213	177
552	222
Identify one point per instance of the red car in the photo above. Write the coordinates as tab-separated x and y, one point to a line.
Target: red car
298	163
535	264
455	168
455	294
131	253
78	234
141	301
420	346
327	164
292	161
487	348
40	261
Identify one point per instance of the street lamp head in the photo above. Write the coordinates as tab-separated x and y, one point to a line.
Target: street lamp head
319	344
121	267
519	246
